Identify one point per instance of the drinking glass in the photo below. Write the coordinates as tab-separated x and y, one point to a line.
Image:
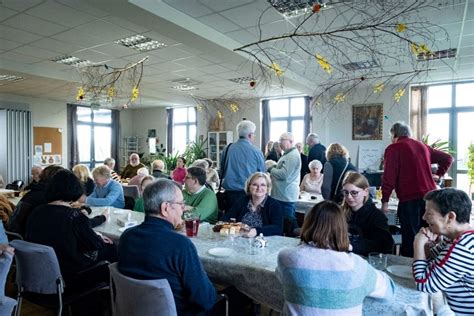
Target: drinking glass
191	223
378	260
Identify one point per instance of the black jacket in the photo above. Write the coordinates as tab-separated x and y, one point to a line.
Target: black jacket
369	230
318	152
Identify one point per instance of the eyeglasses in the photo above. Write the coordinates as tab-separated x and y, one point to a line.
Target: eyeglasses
353	193
182	204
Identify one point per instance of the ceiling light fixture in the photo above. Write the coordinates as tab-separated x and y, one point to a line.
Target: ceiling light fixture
71	61
440	54
293	8
140	43
10	78
242	80
359	65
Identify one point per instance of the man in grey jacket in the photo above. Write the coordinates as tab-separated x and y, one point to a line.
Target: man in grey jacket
286	179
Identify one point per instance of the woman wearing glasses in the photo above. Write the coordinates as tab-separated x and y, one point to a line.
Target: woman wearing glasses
368	226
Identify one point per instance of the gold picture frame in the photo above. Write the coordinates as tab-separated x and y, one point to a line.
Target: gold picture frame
367	122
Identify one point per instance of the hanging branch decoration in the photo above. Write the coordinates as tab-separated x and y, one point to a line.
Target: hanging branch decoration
380	44
110	87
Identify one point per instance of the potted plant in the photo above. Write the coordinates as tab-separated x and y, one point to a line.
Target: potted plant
470	168
195	150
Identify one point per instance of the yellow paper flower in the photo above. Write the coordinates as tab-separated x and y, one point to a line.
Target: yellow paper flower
199	107
324	63
134	94
420	49
378	87
234	107
276	68
399	94
80	94
401	27
339	98
111	92
219	115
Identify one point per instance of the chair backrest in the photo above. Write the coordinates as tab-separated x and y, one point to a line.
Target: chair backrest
15	185
140	297
131	190
129	203
37	267
5	263
12	235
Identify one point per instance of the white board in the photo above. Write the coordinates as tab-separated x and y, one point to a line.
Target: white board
369	158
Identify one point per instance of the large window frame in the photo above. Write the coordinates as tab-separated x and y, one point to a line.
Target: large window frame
453	111
289	119
92	124
189	125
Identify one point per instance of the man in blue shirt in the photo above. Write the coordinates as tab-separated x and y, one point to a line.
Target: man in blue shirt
155	250
240	160
107	192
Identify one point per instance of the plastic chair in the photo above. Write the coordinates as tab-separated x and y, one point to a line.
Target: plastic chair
139	297
7	304
15	185
12	236
131	190
39	277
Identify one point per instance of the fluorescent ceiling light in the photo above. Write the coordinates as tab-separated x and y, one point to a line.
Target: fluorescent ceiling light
140	43
184	87
292	8
10	78
358	65
242	80
72	61
440	54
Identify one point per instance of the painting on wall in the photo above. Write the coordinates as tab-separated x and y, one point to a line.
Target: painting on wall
367	121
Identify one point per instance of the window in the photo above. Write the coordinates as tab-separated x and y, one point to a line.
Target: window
184	128
94	135
450	117
287	115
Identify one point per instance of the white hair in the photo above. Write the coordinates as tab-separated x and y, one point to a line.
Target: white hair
312	138
244	128
143	171
315	164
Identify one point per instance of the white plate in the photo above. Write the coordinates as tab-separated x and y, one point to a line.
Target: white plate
221	252
401	271
122	229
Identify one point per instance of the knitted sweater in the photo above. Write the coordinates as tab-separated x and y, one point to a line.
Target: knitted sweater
204	203
327	282
286	176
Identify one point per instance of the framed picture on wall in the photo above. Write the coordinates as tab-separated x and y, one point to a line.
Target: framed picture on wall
367	121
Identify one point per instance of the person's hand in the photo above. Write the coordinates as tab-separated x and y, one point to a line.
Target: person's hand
6	248
350	248
180	226
77	204
435	177
106	213
188	208
250	233
83	211
107	240
385	208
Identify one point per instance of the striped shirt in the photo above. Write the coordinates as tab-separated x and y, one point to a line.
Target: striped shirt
327	282
451	271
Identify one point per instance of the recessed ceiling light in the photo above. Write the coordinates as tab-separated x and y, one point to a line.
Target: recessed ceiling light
72	61
10	78
358	65
140	43
242	80
184	87
440	54
293	8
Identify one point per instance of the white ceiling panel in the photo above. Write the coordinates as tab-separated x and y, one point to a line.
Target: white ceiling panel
106	31
167	67
55	45
192	8
213	69
220	5
468	27
84	6
219	23
16	35
126	24
115	50
193	62
92	55
35	25
242	36
19	5
11	55
60	14
467	51
168	54
36	52
6	13
7	45
75	36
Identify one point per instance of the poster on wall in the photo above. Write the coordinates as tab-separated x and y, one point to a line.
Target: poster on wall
46	160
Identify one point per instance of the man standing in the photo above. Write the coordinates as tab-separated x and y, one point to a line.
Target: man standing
198	198
316	149
304	161
239	160
131	169
155	250
286	181
407	170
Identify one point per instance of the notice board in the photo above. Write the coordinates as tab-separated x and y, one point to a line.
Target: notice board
47	145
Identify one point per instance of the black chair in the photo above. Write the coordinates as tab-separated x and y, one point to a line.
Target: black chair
39	277
129	202
15	185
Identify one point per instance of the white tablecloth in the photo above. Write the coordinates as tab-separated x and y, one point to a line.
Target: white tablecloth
252	270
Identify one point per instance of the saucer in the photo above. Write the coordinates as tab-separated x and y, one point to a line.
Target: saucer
221	252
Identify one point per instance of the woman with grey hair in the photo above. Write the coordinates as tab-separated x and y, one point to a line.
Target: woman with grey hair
110	162
312	181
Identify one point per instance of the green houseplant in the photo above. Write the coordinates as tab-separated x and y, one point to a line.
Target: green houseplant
437	144
195	150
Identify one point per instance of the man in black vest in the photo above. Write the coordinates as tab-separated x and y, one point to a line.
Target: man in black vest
316	149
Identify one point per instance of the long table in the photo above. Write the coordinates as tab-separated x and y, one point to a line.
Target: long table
252	270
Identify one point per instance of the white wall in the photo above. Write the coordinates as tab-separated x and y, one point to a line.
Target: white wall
45	113
333	123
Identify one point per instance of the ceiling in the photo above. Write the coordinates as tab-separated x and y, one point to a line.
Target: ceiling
200	36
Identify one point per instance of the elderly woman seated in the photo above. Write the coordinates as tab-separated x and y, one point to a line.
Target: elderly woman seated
367	224
83	173
312	182
67	230
107	191
444	251
258	210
